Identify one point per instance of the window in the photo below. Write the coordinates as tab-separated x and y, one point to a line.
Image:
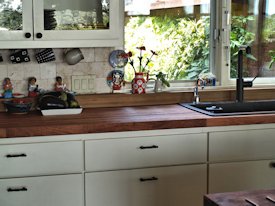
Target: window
190	41
177	30
253	23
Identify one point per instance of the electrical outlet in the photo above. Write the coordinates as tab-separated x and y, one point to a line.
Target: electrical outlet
83	84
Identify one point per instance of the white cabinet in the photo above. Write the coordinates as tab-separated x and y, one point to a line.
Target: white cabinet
238	145
62	23
162	186
180	181
241	160
238	176
41	159
62	190
41	173
148	151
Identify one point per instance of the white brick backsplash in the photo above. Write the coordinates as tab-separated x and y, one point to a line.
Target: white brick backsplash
80	69
102	54
101	86
47	70
96	61
100	69
59	55
16	71
89	54
31	70
3	72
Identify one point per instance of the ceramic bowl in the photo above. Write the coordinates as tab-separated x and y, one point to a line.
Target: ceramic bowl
18	107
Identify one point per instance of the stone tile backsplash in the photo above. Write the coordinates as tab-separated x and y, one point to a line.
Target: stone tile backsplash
95	62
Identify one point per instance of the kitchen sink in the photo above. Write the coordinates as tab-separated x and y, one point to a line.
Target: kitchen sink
232	108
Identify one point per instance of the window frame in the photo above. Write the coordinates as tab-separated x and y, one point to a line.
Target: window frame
223	44
220	27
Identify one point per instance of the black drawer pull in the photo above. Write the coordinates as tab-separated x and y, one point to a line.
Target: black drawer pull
16	155
148	179
149	147
17	189
272	164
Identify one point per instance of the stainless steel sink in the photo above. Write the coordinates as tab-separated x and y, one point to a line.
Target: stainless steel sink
232	108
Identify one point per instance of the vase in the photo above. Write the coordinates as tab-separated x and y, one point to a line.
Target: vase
139	83
158	85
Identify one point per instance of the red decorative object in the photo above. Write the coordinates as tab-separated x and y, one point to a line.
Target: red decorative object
139	83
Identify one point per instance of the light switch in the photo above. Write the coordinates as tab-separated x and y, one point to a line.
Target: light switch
83	84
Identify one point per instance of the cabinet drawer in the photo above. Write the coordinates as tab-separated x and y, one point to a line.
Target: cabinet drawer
241	145
62	190
238	176
145	151
173	186
40	158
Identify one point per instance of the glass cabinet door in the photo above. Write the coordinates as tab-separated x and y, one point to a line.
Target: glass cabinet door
76	19
61	23
14	23
76	15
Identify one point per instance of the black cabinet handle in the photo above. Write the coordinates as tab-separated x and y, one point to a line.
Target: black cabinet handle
28	35
17	189
149	147
39	35
272	164
16	155
148	179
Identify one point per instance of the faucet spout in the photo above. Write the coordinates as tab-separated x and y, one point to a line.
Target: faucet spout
199	82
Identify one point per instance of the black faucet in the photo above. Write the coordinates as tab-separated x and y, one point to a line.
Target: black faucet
240	82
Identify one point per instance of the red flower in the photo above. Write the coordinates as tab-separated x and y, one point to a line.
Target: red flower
141	48
130	54
126	55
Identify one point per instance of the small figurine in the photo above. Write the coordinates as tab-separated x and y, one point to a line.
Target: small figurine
32	87
59	86
7	86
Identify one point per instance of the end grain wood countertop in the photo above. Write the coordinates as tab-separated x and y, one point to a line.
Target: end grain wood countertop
134	118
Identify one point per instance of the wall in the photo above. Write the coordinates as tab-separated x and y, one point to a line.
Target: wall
95	62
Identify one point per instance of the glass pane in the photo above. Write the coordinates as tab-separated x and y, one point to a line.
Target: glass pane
11	15
76	14
253	23
177	30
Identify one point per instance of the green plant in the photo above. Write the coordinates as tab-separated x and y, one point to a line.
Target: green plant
182	44
239	35
272	55
161	76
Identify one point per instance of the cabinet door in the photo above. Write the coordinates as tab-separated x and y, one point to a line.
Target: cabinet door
173	186
241	145
16	20
41	159
81	19
148	151
250	175
64	190
50	23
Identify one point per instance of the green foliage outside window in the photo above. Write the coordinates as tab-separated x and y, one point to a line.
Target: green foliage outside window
10	18
239	35
182	45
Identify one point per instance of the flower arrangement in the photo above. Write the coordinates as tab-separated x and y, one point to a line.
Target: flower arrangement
142	66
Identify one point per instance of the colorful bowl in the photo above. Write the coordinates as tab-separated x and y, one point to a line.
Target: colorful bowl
18	107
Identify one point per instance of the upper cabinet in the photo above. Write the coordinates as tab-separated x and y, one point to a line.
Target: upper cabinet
61	23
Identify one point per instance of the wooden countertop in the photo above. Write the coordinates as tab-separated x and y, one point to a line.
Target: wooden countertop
94	120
